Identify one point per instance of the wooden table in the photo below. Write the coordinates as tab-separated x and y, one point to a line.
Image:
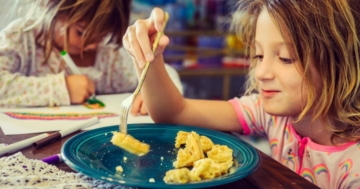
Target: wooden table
270	173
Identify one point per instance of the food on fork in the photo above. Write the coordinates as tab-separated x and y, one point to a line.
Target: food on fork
130	144
216	162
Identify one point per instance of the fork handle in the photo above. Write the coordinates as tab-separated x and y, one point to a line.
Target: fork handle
155	45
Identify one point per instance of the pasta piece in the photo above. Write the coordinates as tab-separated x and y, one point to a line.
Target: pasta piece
217	163
191	153
183	159
193	146
215	170
206	143
181	138
200	166
130	144
221	154
180	176
207	169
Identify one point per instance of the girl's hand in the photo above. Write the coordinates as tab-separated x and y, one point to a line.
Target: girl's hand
80	88
140	36
138	106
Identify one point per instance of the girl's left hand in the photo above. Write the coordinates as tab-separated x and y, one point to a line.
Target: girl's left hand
138	106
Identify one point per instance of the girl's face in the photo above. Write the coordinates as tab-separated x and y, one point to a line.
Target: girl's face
277	74
75	38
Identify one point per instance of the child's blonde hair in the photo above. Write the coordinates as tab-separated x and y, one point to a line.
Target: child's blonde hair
326	33
103	18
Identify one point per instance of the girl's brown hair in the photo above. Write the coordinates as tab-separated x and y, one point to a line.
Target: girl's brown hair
103	18
325	33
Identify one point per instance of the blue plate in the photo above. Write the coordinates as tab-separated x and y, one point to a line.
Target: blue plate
92	154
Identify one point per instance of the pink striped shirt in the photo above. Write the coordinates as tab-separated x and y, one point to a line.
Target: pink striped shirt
326	166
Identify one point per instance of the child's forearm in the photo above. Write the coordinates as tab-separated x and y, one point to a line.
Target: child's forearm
175	78
166	105
163	100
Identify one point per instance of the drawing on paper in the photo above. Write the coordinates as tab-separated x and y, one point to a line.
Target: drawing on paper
58	116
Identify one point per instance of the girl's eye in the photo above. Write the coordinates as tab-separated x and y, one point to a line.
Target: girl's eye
258	57
80	33
287	60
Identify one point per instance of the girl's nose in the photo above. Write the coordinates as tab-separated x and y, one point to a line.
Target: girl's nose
264	69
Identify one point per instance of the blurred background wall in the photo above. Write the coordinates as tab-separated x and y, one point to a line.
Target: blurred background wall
5	17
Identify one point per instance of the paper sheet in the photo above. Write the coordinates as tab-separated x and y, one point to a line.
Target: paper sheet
12	126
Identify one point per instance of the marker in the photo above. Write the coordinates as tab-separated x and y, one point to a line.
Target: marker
74	69
53	159
59	134
21	144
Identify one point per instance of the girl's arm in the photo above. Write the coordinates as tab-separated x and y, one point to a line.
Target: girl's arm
164	102
175	78
166	105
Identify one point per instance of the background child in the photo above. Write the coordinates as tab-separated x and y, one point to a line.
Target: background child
32	72
303	87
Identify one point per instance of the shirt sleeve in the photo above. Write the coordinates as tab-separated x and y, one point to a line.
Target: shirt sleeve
251	115
16	87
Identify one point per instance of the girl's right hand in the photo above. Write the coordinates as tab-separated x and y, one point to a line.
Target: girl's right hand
140	36
80	88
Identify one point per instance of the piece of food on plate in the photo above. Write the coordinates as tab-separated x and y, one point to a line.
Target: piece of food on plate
221	154
217	161
182	136
207	169
191	153
206	143
180	176
119	169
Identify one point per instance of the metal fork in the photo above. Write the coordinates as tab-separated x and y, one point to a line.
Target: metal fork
126	104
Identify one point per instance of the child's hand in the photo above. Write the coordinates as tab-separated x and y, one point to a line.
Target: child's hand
80	88
138	106
139	37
